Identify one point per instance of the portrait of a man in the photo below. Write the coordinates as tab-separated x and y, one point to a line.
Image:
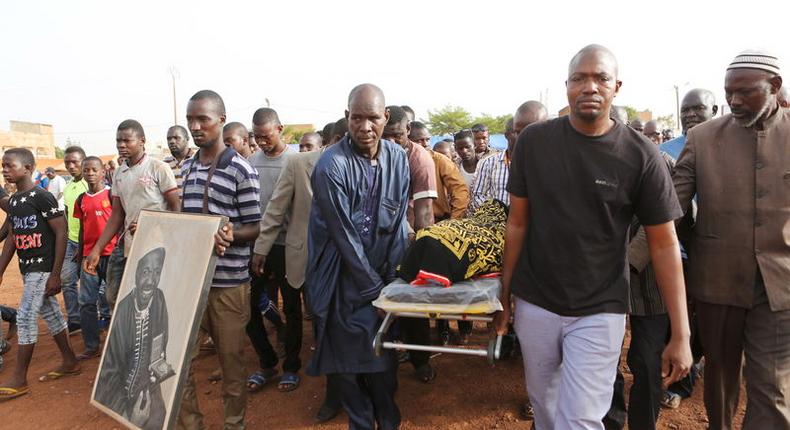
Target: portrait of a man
135	362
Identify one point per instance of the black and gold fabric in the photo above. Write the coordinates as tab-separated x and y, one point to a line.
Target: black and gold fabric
459	249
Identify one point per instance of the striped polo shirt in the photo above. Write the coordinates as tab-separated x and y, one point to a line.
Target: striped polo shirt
234	193
176	166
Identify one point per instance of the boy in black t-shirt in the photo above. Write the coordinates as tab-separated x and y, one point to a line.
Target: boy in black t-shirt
38	235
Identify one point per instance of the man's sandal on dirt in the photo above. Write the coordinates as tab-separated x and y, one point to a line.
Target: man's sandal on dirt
288	382
57	374
8	393
259	379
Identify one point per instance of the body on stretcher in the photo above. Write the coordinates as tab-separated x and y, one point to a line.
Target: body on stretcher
470	300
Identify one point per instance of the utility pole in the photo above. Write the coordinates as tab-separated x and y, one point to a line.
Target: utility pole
677	106
173	74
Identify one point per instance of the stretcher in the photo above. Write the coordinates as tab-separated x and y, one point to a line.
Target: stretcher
471	300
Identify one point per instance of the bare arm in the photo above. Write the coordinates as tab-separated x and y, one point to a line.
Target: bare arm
515	232
665	256
423	213
9	248
5	230
172	200
58	226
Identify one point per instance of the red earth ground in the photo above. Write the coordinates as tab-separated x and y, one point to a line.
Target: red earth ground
467	394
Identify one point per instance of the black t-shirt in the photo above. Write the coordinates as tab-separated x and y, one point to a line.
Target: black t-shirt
583	193
33	237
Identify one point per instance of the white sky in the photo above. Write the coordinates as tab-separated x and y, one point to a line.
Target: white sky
84	66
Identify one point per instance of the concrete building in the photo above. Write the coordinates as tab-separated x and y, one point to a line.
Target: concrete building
38	138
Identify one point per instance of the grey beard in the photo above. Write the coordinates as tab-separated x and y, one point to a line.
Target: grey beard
751	122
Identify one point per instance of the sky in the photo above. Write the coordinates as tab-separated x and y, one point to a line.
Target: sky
85	66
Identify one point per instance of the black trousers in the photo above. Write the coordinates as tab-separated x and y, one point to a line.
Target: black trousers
274	275
648	338
416	331
368	399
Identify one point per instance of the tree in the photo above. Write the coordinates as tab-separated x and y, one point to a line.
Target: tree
292	135
495	124
59	153
632	112
667	121
448	120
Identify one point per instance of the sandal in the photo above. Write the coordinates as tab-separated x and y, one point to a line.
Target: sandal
57	374
288	382
259	379
426	373
8	393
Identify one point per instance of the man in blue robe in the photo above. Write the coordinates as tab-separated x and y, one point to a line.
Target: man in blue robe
358	235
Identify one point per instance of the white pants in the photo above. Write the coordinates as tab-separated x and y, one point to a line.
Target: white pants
570	365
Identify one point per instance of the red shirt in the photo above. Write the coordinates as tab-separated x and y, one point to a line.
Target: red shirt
93	210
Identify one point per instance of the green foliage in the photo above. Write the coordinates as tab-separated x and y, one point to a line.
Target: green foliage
667	121
632	112
292	135
495	124
450	119
59	153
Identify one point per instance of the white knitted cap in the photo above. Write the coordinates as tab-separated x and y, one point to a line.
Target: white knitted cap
755	59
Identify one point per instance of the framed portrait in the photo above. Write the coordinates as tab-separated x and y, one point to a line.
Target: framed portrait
161	300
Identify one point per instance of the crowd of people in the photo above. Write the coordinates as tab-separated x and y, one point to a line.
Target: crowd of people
608	217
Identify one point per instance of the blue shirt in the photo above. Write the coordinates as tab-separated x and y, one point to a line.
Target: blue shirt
675	146
233	193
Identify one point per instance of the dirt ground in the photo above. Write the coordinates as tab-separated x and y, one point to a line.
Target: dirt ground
467	394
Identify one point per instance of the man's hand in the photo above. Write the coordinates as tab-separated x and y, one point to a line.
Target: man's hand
223	238
676	361
258	263
53	285
90	262
502	318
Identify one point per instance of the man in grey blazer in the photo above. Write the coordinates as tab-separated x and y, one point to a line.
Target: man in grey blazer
291	200
738	165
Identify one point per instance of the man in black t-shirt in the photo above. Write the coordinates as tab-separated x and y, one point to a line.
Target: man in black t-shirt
575	184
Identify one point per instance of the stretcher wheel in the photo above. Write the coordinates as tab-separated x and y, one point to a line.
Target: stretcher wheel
494	349
377	343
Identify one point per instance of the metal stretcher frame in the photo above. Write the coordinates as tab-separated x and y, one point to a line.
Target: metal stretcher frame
491	353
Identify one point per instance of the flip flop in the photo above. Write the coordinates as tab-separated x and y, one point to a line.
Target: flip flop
8	393
57	374
288	382
257	380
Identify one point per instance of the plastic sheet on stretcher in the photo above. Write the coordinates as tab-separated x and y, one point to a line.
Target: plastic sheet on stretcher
473	296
